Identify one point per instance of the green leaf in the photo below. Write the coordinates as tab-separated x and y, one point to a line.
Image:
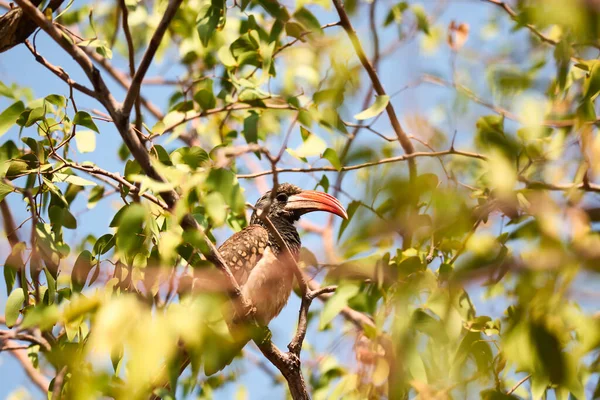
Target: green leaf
57	100
352	207
375	109
81	270
60	216
103	244
336	303
395	14
129	233
42	316
591	85
72	179
9	116
55	190
422	21
194	157
51	293
205	99
216	208
14	303
5	190
226	58
251	128
35	115
294	29
313	145
85	141
331	156
96	195
82	118
10	276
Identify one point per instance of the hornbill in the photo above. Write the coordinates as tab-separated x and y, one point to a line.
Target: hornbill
257	261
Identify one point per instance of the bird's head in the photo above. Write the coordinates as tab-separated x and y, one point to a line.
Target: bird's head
291	202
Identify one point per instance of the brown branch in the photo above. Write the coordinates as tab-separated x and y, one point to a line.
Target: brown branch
58	71
136	83
400	133
94	170
522	381
21	356
16	26
104	95
515	16
131	55
552	123
301	37
122	79
368	164
230	107
58	384
355	317
584	186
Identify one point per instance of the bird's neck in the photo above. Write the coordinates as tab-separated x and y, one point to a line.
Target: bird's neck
288	233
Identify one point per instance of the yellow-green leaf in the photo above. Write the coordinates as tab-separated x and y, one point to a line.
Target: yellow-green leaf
86	141
375	109
13	307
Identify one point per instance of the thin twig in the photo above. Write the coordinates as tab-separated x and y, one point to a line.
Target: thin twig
368	164
522	381
400	133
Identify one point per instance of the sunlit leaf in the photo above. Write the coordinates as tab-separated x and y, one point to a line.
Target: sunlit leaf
375	109
14	303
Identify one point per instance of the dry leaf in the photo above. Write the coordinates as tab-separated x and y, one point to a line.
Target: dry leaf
457	35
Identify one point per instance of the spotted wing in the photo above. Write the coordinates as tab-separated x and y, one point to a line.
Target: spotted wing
243	250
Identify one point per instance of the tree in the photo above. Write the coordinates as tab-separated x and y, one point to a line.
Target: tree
467	263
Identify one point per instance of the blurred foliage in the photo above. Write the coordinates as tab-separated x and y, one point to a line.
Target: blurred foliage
507	218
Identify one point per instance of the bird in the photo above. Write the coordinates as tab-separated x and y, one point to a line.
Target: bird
257	261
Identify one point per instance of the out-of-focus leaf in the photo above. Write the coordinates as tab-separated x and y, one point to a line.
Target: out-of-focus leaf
421	16
5	190
14	303
352	207
129	234
9	116
375	109
251	128
331	156
57	100
395	13
81	270
336	303
44	317
103	244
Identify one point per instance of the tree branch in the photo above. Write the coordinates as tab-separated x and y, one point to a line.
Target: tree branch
368	164
61	73
400	133
136	83
38	379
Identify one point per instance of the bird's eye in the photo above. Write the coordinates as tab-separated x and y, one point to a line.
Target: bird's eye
282	197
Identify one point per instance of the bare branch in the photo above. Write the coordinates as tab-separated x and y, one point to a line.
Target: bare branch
136	83
400	133
38	379
522	381
368	164
104	95
58	71
124	81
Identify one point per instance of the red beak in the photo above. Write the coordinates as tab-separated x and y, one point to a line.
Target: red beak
311	200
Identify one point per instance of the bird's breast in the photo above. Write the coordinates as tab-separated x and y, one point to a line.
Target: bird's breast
269	286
